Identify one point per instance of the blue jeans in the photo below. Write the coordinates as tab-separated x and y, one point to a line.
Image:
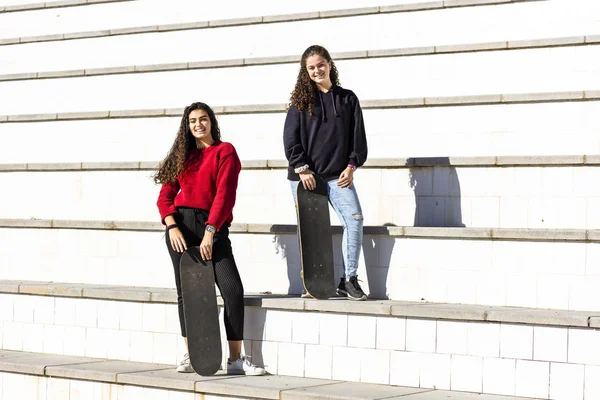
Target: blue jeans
347	207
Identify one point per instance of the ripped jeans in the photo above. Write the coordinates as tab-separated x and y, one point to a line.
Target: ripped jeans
347	207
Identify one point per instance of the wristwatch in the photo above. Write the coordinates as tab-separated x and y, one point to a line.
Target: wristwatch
210	228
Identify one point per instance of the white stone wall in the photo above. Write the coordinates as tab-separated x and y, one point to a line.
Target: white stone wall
561	275
422	28
530	70
32	387
497	358
485	130
552	197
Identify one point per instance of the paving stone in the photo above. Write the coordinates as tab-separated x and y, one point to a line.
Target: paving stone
262	387
350	391
103	371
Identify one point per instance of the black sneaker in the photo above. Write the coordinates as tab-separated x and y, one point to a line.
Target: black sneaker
341	289
305	294
353	289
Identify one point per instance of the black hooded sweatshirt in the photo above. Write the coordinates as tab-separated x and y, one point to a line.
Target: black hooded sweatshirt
330	139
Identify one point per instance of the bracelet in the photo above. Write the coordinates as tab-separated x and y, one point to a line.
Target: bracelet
352	167
301	169
169	227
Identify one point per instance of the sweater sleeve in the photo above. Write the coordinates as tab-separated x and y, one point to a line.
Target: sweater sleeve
358	155
166	199
294	152
228	171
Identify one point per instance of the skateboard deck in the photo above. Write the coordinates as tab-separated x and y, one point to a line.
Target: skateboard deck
314	232
201	312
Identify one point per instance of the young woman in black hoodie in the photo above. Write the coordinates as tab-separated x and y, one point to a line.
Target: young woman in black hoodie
324	134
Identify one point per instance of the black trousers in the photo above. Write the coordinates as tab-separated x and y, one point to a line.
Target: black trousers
191	222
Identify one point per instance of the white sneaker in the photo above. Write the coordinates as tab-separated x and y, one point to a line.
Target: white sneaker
243	366
184	365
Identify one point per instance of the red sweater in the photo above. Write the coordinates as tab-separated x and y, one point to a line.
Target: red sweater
209	182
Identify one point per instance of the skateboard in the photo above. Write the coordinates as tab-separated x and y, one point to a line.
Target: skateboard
314	233
201	312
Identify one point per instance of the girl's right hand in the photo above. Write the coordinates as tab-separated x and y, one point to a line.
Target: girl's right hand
308	180
177	241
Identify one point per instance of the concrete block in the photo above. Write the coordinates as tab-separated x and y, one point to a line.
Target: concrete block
165	378
403	371
269	387
452	337
532	379
352	389
333	329
539	97
291	359
467	47
41	38
61	74
346	363
235	21
391	333
539	317
109	70
74	341
348	12
428	5
550	42
183	26
467	374
318	361
161	67
362	331
36	364
550	343
567	381
435	371
499	376
19	77
516	341
420	335
86	35
291	17
103	371
133	30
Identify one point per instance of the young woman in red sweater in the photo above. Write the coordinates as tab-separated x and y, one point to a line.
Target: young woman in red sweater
199	179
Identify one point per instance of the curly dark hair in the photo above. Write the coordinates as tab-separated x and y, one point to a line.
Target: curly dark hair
173	164
305	92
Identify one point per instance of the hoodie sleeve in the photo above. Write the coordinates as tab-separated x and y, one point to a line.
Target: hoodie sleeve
294	152
358	154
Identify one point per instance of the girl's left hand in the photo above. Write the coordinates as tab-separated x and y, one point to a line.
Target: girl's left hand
206	246
346	178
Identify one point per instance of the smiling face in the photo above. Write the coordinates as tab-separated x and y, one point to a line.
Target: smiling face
200	127
318	69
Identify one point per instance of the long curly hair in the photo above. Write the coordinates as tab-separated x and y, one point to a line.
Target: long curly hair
305	92
174	163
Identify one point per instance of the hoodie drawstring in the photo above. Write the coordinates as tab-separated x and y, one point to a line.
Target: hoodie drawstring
333	102
324	113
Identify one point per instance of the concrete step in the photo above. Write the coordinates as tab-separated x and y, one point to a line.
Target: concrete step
144	14
13	6
444	75
541	128
582	40
506	192
29	375
497	350
506	267
368	28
